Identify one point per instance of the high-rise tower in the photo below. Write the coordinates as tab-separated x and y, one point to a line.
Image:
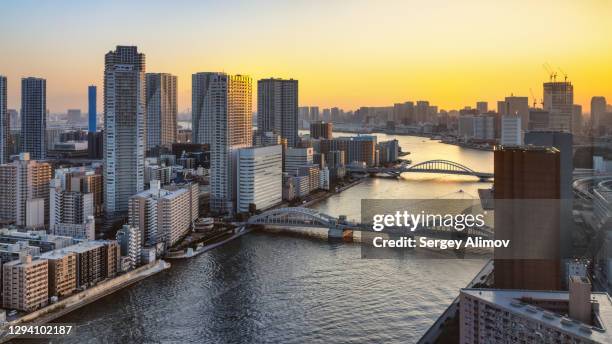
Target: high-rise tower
124	126
277	108
161	109
228	105
92	114
34	117
201	124
5	123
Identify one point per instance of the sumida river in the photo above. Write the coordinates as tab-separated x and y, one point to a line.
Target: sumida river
281	287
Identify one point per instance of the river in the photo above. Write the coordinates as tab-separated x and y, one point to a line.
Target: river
283	288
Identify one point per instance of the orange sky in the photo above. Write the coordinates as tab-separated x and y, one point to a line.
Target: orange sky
344	53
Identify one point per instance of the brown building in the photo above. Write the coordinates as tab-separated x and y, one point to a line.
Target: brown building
527	208
355	148
95	261
25	284
321	130
87	182
62	272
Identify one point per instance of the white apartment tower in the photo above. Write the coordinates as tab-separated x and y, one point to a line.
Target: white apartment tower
5	124
164	215
228	104
277	108
260	177
34	117
124	126
161	109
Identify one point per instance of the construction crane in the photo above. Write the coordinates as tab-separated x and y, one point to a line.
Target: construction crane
564	74
551	73
535	101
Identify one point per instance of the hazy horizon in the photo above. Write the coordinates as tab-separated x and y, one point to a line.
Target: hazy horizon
344	54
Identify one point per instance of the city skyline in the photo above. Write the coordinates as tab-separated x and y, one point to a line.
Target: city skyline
357	55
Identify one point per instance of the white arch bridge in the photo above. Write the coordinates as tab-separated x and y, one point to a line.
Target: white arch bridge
430	166
306	217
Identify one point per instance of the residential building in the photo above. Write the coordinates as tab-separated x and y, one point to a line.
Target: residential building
130	242
124	126
25	284
62	268
161	109
5	122
321	130
164	215
201	122
95	261
229	105
260	177
24	192
525	316
482	107
34	117
277	108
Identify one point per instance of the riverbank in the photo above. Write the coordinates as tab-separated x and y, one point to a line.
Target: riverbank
325	195
78	300
190	252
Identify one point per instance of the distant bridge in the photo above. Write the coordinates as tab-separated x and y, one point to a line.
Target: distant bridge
431	166
306	217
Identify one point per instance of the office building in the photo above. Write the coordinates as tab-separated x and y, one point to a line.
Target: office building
161	109
92	109
527	212
260	177
164	215
296	157
124	126
321	130
511	132
229	105
130	242
62	267
277	108
525	316
559	102
34	117
5	122
25	284
95	261
515	106
598	110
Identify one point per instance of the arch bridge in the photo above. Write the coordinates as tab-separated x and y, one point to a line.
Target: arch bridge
431	166
306	217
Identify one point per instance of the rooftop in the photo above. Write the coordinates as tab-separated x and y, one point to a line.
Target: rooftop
510	300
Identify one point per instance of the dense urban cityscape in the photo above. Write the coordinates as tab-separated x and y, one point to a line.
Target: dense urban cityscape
240	218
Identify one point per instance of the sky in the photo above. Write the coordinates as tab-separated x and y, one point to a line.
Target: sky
344	53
